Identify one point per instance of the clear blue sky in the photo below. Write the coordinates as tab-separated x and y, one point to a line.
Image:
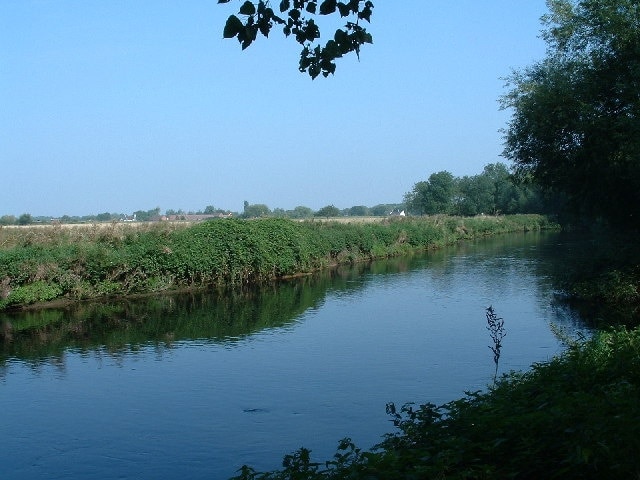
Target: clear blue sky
117	106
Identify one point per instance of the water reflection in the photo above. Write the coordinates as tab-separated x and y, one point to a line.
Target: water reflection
221	316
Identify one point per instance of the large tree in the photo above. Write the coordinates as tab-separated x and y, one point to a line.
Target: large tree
475	195
297	19
436	195
575	126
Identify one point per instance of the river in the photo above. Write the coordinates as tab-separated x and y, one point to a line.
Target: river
195	385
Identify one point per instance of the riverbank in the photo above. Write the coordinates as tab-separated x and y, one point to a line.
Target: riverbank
59	264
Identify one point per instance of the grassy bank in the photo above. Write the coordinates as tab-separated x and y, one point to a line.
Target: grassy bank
45	264
574	417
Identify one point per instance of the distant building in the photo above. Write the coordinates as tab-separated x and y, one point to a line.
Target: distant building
397	213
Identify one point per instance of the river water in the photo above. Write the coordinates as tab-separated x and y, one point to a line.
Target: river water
196	385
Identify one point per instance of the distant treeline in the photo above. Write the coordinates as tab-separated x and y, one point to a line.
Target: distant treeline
44	264
258	210
493	191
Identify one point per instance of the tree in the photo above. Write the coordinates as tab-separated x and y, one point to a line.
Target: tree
300	23
104	217
328	211
25	219
301	212
575	126
255	211
148	215
475	195
358	211
7	220
436	195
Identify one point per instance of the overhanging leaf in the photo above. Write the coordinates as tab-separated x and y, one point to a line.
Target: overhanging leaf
232	27
328	6
248	8
284	5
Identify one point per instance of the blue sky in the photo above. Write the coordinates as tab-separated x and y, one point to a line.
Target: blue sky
117	106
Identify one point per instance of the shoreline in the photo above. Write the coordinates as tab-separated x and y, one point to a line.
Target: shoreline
57	269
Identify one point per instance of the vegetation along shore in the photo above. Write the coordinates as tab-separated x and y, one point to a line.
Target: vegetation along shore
56	263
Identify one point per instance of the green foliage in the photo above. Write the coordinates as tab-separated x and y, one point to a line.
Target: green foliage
147	215
604	282
328	211
38	291
476	195
358	211
494	191
257	210
575	126
297	20
25	219
7	220
301	212
384	209
433	196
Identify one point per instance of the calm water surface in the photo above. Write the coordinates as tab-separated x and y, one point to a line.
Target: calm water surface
194	386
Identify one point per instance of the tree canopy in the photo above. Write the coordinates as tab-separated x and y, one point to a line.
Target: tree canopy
297	19
328	211
575	126
493	191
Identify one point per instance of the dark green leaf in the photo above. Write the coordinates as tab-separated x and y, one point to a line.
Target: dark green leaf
284	5
366	12
328	6
344	9
264	27
248	35
340	37
294	14
247	8
232	27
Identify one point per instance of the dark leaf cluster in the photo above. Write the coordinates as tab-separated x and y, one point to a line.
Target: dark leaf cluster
296	19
